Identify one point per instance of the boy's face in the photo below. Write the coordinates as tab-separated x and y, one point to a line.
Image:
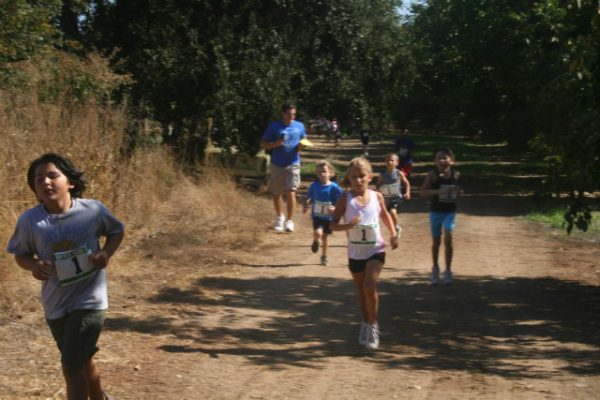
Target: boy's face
51	185
323	173
443	161
359	178
391	162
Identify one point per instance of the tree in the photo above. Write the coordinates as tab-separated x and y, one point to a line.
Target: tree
524	72
26	29
237	61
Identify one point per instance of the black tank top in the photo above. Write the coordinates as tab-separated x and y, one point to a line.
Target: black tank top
444	204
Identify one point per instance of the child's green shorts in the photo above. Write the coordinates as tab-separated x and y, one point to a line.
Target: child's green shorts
76	336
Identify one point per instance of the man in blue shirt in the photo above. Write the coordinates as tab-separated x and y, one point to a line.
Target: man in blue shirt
283	139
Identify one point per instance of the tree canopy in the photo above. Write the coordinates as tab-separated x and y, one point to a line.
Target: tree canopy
526	72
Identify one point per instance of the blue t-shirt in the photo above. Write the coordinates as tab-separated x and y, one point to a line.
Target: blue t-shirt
287	154
321	197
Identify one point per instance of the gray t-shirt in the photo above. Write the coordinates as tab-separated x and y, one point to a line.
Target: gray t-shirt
43	235
391	184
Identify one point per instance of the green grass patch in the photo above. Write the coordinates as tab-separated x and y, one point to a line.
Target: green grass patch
553	216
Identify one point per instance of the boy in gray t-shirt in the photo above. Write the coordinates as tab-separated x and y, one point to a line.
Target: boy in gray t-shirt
58	241
392	183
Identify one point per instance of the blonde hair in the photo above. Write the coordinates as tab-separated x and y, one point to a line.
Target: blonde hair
390	155
357	162
325	163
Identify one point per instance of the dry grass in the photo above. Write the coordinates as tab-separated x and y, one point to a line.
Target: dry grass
172	221
161	208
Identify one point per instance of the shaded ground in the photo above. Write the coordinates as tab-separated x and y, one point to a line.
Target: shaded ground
520	321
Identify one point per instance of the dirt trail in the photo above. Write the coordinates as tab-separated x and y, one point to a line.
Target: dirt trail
520	321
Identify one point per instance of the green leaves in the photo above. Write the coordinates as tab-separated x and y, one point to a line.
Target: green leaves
26	28
579	216
238	61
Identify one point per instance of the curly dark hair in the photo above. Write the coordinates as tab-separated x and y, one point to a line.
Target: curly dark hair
64	165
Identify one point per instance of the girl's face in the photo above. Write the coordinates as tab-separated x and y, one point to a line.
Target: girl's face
52	188
443	161
323	173
391	162
359	177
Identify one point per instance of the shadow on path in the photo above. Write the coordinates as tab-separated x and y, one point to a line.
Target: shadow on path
504	327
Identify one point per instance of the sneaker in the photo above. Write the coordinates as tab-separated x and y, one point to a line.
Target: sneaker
398	231
289	225
435	275
107	396
314	247
279	223
372	337
324	261
364	332
447	277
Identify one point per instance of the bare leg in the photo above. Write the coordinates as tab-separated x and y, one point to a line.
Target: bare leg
278	203
95	387
435	249
359	282
77	383
371	294
394	215
324	244
317	234
448	249
291	204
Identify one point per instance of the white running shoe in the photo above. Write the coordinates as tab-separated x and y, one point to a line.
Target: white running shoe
447	277
289	225
372	337
364	333
279	223
435	275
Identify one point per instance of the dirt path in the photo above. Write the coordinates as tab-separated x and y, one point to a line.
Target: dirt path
520	321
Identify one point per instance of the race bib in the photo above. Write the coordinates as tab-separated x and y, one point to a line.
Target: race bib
390	190
365	235
73	265
448	194
321	209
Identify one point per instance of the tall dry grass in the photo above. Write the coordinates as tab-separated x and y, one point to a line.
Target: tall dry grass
145	188
93	137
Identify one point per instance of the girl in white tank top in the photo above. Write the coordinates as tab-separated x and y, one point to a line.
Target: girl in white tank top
365	238
362	208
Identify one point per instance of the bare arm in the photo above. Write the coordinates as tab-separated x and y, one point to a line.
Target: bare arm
387	221
460	193
378	182
406	185
426	191
340	209
40	269
100	258
307	204
271	145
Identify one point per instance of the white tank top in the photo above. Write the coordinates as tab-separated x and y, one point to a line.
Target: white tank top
364	240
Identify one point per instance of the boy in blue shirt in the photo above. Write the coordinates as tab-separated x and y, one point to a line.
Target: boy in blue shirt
321	197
